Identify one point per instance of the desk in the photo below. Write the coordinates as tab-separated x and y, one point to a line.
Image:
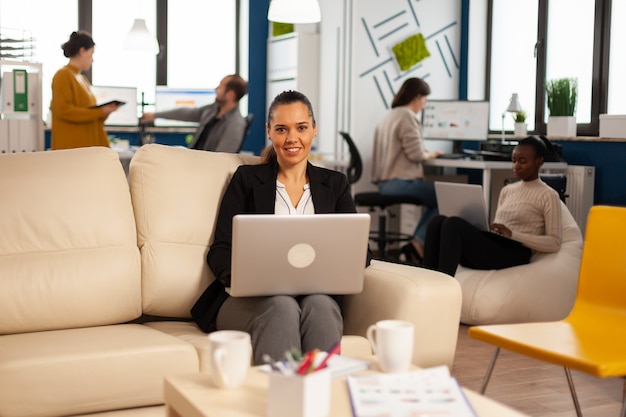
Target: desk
195	396
488	167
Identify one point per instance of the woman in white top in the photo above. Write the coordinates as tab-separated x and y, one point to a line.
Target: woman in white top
527	220
284	183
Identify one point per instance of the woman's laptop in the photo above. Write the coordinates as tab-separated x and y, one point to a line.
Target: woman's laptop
298	254
463	200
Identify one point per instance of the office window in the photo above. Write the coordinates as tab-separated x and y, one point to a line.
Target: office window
113	65
32	18
513	61
570	52
201	43
617	65
477	55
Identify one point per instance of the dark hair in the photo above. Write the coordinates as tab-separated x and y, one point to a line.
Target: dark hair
286	97
537	144
80	39
238	85
411	88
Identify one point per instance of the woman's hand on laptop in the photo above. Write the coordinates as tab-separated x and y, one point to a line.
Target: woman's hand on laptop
500	229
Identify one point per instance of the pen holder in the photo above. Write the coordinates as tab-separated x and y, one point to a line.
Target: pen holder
299	395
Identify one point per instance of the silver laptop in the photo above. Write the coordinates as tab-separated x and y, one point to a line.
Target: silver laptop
298	254
463	200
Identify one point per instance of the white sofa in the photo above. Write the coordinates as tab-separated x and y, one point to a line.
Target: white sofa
543	290
97	279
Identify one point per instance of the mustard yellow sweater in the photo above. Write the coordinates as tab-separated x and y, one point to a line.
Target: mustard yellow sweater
75	123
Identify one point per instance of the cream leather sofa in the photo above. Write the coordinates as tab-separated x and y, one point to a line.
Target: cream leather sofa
543	290
97	280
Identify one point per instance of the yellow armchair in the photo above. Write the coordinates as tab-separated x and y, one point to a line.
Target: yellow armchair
592	338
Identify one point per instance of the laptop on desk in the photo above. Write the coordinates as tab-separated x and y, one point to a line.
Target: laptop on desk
298	254
463	200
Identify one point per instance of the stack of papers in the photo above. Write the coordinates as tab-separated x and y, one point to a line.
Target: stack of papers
427	392
344	365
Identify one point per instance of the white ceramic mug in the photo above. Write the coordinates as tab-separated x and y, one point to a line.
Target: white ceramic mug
392	343
230	354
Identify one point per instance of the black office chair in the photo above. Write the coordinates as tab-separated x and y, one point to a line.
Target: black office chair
376	201
557	181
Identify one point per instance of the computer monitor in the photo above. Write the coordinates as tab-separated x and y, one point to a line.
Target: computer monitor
167	98
455	120
125	115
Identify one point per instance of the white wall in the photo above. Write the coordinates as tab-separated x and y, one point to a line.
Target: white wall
358	76
334	74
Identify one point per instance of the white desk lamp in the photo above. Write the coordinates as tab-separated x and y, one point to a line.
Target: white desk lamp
514	107
294	11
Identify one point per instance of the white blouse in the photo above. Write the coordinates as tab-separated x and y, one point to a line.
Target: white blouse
283	202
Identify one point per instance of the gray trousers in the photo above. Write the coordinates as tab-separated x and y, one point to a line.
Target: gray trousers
278	323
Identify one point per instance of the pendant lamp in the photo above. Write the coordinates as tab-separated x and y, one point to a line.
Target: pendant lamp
140	39
294	11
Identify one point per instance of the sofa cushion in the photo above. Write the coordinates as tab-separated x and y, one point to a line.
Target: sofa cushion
543	290
68	246
176	193
65	372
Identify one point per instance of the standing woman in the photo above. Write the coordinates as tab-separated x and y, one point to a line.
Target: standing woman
76	122
397	158
284	183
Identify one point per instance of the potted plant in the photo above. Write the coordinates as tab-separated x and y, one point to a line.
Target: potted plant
562	94
520	123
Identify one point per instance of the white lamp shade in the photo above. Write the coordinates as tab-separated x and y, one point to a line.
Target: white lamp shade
140	39
514	105
294	11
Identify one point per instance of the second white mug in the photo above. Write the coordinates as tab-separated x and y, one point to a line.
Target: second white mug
230	353
392	343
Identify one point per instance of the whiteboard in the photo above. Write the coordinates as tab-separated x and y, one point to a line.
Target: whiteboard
460	120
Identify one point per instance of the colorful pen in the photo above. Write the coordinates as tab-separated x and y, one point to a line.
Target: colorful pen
334	350
304	365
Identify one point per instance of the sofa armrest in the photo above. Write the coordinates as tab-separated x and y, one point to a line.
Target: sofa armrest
429	299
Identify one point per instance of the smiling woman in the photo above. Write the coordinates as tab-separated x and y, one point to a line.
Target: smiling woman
284	183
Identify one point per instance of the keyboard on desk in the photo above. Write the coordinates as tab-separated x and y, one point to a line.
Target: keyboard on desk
451	156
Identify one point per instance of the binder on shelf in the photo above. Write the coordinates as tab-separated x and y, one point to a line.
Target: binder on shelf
20	90
27	138
14	135
4	136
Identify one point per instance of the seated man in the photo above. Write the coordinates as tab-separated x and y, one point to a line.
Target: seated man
221	127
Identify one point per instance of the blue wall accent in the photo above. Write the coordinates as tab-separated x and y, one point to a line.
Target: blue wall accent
609	158
465	5
257	82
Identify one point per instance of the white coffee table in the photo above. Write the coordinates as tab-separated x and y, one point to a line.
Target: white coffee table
195	396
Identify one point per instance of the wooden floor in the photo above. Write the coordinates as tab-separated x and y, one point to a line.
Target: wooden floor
533	387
